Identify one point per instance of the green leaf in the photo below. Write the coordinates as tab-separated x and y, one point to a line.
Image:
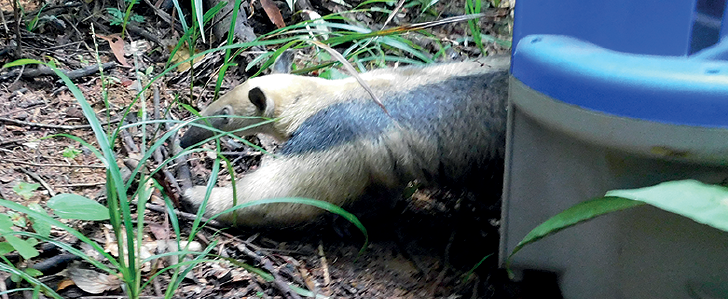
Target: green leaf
17	219
25	190
24	248
5	223
17	275
20	62
71	152
6	248
45	218
197	8
32	241
703	203
73	206
33	272
41	227
576	214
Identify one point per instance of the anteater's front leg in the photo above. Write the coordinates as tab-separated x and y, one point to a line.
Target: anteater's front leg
336	175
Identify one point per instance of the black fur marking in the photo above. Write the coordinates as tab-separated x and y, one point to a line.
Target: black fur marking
429	109
257	97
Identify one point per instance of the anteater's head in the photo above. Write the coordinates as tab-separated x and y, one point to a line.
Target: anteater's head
243	107
247	109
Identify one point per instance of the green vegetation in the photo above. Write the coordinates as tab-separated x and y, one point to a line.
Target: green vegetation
71	152
700	202
25	189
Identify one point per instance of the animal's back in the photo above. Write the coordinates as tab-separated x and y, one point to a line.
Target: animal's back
442	124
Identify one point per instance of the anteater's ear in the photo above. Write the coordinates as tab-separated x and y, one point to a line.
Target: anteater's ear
283	63
257	97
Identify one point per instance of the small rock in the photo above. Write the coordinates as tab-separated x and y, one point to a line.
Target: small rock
22	115
74	112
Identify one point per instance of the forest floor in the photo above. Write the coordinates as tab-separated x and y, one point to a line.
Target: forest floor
424	247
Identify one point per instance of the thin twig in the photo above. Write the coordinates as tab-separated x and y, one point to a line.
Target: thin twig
52	165
22	68
50	126
476	283
4	142
128	142
80	185
185	215
162	14
7	31
74	74
18	39
3	286
278	282
393	13
324	264
159	157
145	34
40	180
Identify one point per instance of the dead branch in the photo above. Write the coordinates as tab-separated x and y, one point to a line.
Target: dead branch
50	126
80	185
40	180
51	165
278	282
169	178
74	74
144	33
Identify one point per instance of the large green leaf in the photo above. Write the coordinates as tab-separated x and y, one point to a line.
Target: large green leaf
703	203
41	227
576	214
707	204
73	206
23	247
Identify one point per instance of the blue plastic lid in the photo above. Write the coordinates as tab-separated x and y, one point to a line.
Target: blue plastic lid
677	90
656	27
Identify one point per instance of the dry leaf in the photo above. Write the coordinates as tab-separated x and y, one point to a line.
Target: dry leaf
307	279
274	14
183	54
93	282
14	128
117	47
64	284
159	231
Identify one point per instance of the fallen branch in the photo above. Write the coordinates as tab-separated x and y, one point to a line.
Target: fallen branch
77	185
74	74
50	126
51	165
145	34
169	182
278	282
40	180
